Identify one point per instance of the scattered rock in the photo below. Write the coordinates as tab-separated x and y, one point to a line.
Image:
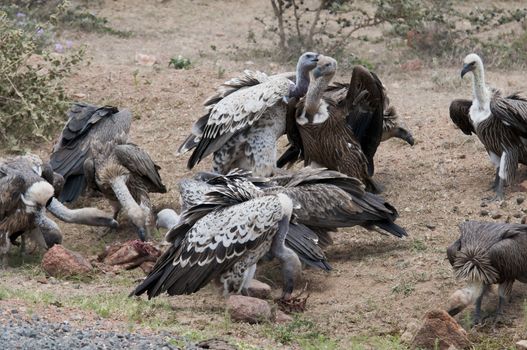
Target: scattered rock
520	200
145	60
431	226
496	216
483	205
79	95
216	344
440	331
517	215
282	317
61	262
521	345
259	289
248	309
484	212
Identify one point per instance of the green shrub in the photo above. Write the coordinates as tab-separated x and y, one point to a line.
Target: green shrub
32	97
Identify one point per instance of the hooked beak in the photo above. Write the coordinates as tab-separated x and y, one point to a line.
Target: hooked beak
141	233
315	60
466	68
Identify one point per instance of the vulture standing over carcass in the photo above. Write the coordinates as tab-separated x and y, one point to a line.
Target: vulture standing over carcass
28	187
222	239
499	122
244	120
93	152
321	130
487	253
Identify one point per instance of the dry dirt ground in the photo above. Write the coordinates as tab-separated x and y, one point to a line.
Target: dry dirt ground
380	286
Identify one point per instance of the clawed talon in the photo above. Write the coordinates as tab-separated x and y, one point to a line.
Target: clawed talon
291	304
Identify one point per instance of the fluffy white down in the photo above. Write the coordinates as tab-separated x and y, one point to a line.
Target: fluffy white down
39	193
167	218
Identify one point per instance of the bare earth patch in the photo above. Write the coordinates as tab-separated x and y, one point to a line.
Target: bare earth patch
379	285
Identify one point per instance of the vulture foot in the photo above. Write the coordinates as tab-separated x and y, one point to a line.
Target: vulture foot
292	304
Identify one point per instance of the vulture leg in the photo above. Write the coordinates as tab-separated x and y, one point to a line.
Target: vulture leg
248	276
291	266
496	180
504	290
477	311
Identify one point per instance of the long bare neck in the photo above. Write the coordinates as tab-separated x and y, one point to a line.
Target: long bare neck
314	94
480	91
301	84
123	195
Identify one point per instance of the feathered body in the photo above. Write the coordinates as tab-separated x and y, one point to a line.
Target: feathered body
488	253
125	174
222	239
244	119
323	134
86	123
499	122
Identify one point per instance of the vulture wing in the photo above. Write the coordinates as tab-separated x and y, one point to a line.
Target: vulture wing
248	79
11	189
212	246
460	115
86	122
236	112
140	164
295	150
365	105
512	111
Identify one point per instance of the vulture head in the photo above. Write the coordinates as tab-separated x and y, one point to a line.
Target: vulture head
471	63
326	66
167	218
139	220
308	61
37	196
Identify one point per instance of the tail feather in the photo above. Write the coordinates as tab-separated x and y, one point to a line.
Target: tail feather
304	243
391	227
474	264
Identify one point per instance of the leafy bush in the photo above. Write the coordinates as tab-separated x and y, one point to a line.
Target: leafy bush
32	97
179	62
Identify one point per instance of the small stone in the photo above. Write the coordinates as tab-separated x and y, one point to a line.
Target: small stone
281	317
259	289
431	226
483	205
521	345
496	216
462	156
145	60
61	262
42	280
248	309
484	212
440	331
520	200
79	95
517	215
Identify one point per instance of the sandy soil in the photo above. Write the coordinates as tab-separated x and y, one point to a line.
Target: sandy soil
380	286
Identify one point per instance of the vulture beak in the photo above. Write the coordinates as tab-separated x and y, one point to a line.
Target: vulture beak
315	59
141	233
467	68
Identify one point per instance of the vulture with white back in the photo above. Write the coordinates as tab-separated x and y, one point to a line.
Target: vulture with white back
499	122
244	120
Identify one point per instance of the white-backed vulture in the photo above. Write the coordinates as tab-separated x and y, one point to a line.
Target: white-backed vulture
499	122
320	129
125	174
487	253
86	123
244	120
222	239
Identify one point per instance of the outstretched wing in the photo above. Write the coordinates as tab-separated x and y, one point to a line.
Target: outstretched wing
236	112
212	246
365	106
249	78
460	115
139	163
86	122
